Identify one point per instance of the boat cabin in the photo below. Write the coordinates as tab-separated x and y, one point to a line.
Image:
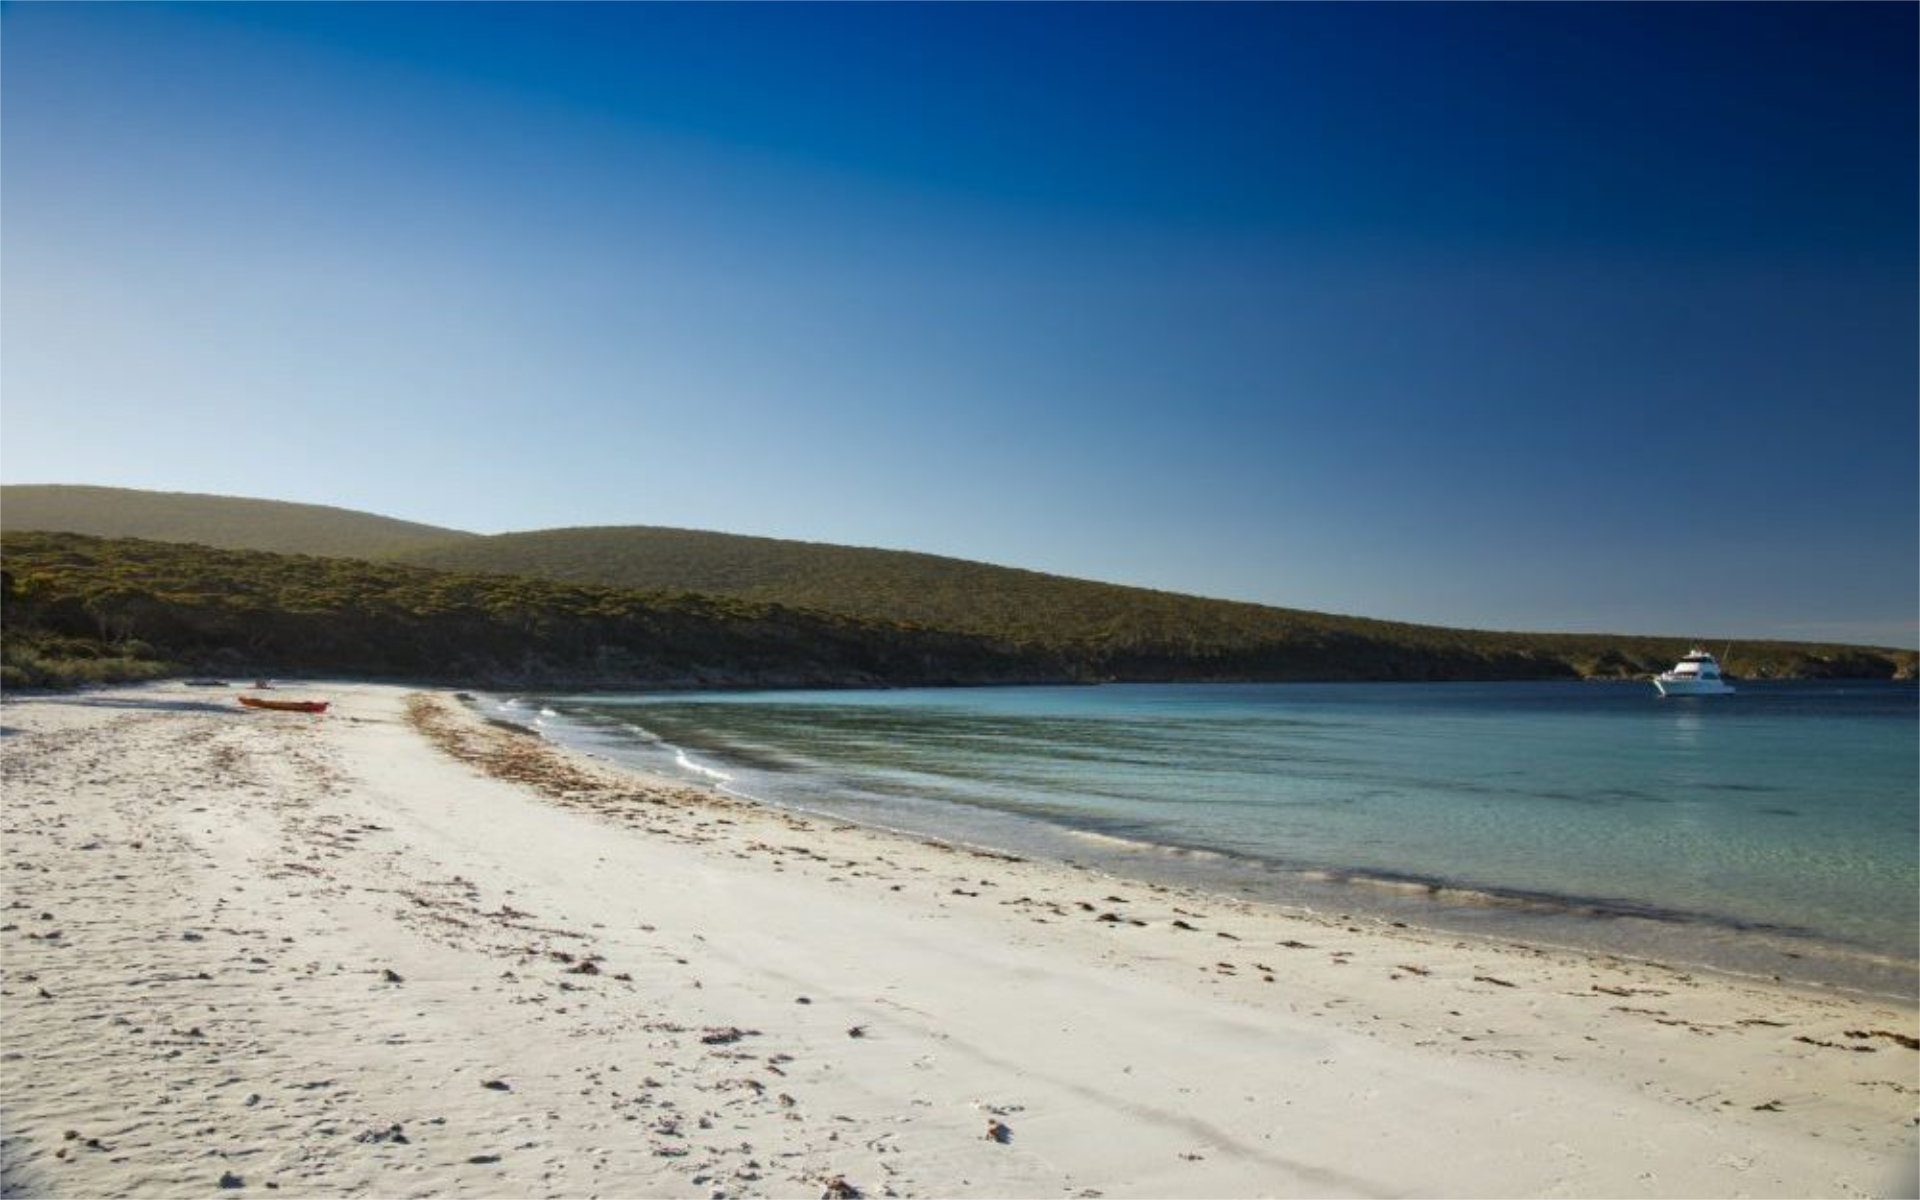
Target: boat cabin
1697	663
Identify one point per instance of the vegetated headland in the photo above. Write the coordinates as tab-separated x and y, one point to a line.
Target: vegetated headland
104	584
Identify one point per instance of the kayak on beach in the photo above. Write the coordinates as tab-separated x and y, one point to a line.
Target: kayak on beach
308	706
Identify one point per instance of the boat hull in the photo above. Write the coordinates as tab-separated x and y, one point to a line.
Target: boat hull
305	706
1691	687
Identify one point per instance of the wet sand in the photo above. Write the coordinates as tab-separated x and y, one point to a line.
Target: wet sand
397	950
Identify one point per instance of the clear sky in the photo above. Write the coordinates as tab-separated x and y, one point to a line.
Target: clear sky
1552	317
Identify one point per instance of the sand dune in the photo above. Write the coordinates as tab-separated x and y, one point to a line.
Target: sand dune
398	951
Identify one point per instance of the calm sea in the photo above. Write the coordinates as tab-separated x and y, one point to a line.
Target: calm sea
1774	831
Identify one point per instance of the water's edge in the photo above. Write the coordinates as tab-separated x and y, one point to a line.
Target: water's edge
1618	925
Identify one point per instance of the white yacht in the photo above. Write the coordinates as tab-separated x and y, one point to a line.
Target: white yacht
1698	674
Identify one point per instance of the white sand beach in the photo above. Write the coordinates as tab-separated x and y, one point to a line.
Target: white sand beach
398	951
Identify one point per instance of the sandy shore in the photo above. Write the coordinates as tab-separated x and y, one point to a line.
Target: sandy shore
398	951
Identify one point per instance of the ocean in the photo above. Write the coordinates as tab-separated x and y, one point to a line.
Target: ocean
1774	832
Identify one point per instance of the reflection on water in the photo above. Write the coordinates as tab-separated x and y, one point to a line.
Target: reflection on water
1781	808
1687	725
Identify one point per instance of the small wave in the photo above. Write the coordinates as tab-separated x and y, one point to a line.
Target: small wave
685	763
512	716
1454	893
1142	846
1447	892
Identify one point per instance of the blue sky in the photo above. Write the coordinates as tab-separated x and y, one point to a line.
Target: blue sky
1552	317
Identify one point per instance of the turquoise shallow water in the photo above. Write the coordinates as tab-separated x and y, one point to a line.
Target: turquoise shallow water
1771	831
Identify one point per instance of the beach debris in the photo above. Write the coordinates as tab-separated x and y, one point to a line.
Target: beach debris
483	1159
392	1133
1409	968
1220	933
1179	924
229	1180
857	1031
1290	944
1813	1041
1902	1039
497	1085
584	967
999	1131
1769	1106
726	1036
1494	980
392	976
839	1189
803	1000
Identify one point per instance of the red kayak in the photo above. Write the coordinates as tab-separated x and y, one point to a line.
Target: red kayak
306	706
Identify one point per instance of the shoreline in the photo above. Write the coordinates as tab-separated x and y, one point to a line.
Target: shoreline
629	956
1609	925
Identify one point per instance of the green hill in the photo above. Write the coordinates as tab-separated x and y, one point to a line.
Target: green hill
89	609
230	522
1051	626
1106	630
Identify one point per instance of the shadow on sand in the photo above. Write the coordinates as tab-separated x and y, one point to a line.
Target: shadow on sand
155	705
